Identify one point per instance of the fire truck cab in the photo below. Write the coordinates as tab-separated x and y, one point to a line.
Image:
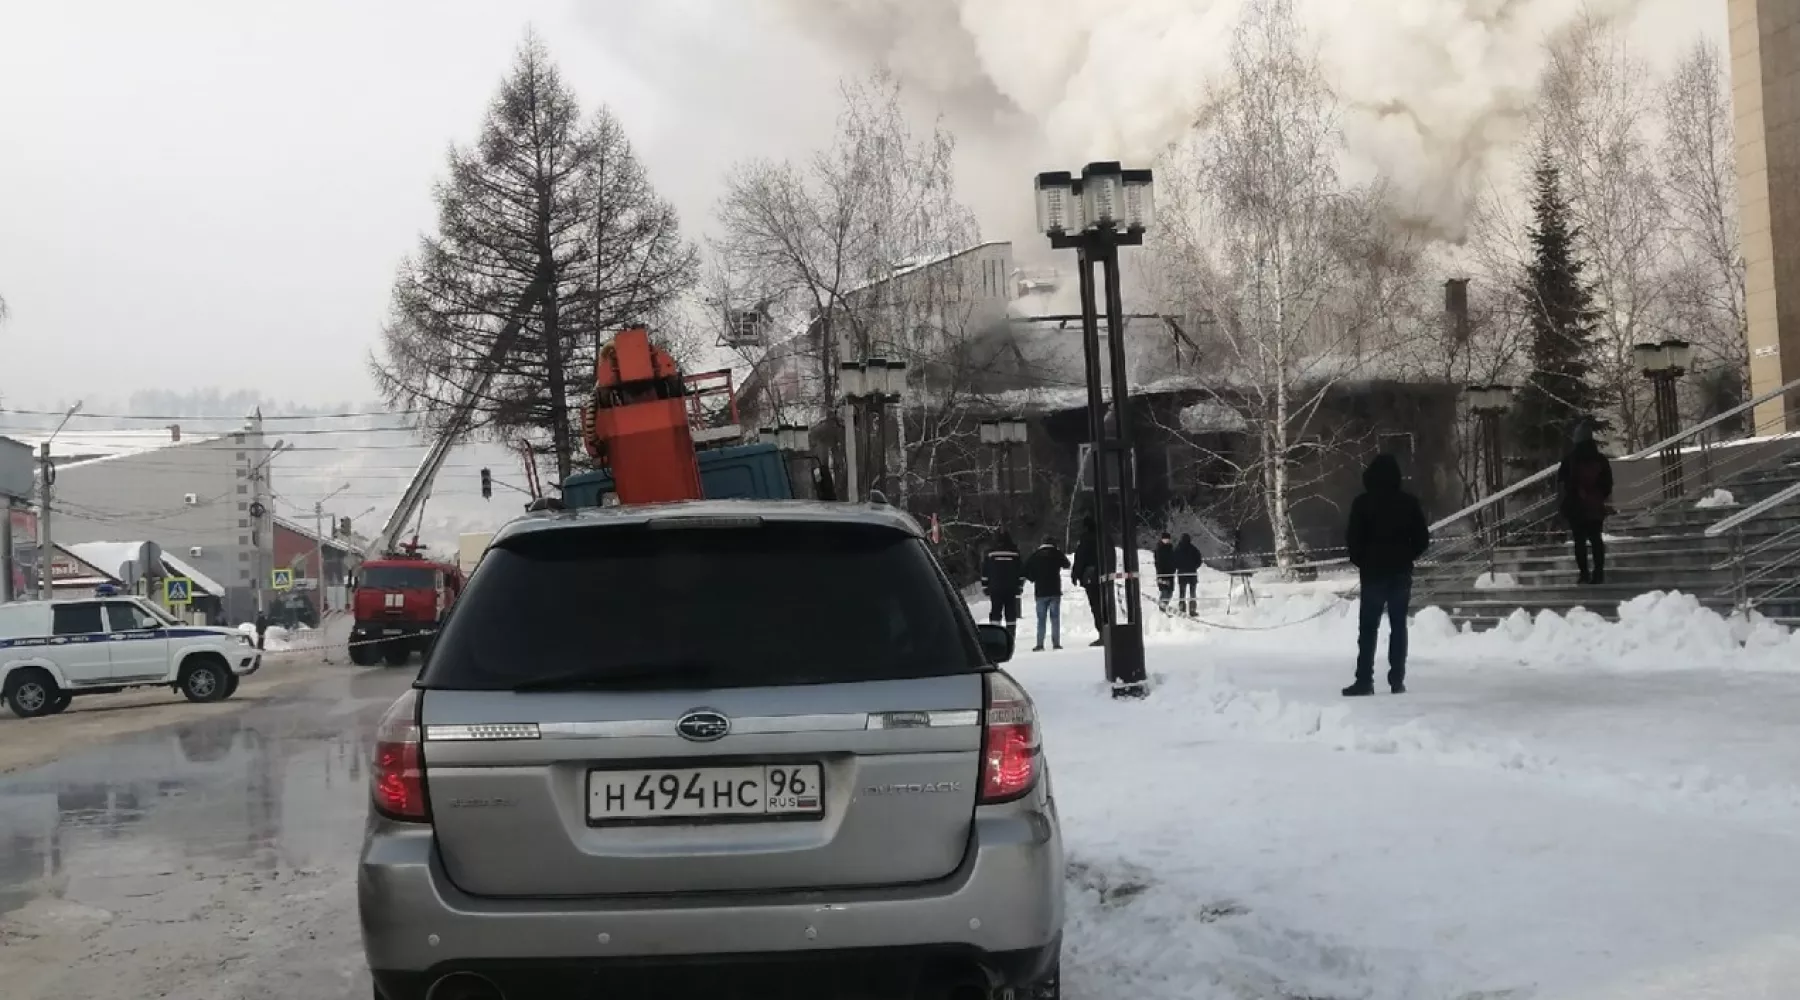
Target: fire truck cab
400	601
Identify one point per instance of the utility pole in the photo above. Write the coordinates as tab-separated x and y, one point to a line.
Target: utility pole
319	555
259	511
7	559
46	480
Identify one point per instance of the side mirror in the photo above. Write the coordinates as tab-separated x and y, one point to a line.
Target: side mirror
996	643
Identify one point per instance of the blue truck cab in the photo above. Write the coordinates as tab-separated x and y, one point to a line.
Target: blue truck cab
742	472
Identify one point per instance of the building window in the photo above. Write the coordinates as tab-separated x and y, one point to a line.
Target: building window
243	473
243	522
237	439
243	539
243	456
1398	445
243	557
243	488
243	505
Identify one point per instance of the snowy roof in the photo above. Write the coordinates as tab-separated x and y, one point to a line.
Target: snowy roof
914	264
313	536
110	557
78	448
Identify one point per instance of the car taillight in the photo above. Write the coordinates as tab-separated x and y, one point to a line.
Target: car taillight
1009	765
397	778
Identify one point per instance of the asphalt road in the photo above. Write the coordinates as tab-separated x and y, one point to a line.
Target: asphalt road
154	848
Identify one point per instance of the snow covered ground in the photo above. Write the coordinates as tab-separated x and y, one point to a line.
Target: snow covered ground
1561	809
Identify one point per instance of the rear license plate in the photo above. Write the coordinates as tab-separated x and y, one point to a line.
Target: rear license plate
698	793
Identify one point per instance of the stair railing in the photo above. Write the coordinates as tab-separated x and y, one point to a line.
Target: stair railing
1739	561
1477	548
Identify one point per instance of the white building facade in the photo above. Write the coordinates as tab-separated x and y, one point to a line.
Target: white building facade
198	498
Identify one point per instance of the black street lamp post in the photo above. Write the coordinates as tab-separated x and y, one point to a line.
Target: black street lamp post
1663	364
1107	207
869	387
1490	403
1004	437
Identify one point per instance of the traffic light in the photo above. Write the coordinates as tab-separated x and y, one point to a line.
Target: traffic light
487	484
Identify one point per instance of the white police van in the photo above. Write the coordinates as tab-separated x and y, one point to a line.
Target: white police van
51	651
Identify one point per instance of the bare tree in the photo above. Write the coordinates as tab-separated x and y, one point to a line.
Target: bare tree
548	235
850	255
1594	121
1699	171
1294	267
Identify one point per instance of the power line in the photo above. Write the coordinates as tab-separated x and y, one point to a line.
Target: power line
238	418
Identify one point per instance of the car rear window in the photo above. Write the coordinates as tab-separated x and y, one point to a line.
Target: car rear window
398	578
632	607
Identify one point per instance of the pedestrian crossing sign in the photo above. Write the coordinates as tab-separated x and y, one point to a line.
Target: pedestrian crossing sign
282	579
177	590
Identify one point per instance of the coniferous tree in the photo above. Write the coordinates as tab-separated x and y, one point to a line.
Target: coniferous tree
1560	393
548	230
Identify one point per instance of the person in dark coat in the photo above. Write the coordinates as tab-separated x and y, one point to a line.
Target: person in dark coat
1085	572
1586	480
1002	581
1044	568
1386	535
262	628
1187	562
1164	558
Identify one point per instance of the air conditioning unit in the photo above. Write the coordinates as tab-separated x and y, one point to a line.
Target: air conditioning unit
192	499
197	551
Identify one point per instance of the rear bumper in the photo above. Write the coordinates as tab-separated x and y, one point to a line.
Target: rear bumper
1001	913
898	973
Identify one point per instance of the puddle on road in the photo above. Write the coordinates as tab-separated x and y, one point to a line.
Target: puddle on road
250	795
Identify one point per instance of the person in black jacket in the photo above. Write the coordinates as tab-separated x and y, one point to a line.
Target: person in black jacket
1044	568
1164	558
1002	582
1386	535
1187	562
1586	479
1085	573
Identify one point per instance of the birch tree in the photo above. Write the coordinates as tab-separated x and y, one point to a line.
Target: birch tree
1596	112
1290	262
1699	170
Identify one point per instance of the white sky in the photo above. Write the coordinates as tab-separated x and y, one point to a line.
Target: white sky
216	192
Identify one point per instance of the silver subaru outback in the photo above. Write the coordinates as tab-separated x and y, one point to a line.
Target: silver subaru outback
720	749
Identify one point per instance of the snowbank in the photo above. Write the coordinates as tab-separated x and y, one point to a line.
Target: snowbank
1716	499
1657	631
1496	581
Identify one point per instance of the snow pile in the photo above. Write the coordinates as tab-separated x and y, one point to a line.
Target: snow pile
1715	500
1244	832
278	639
1496	581
1655	631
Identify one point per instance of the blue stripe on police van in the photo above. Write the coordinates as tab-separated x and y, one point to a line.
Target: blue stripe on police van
80	640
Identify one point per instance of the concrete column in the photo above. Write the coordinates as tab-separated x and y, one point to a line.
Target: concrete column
1765	81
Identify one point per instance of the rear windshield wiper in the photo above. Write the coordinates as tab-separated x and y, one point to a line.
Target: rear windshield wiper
605	678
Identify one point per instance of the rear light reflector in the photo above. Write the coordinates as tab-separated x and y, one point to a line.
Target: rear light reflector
397	776
1010	747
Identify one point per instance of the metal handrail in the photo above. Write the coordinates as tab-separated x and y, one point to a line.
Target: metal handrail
1754	511
1543	474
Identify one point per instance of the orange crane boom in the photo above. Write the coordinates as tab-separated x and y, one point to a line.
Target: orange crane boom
638	423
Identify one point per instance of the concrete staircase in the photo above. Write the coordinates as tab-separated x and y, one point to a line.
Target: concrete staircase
1659	549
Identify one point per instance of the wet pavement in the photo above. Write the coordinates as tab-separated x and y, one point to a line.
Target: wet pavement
210	859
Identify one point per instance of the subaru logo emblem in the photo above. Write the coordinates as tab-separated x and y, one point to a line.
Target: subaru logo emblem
702	726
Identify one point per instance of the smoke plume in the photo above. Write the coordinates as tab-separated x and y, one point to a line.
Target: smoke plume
1433	90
